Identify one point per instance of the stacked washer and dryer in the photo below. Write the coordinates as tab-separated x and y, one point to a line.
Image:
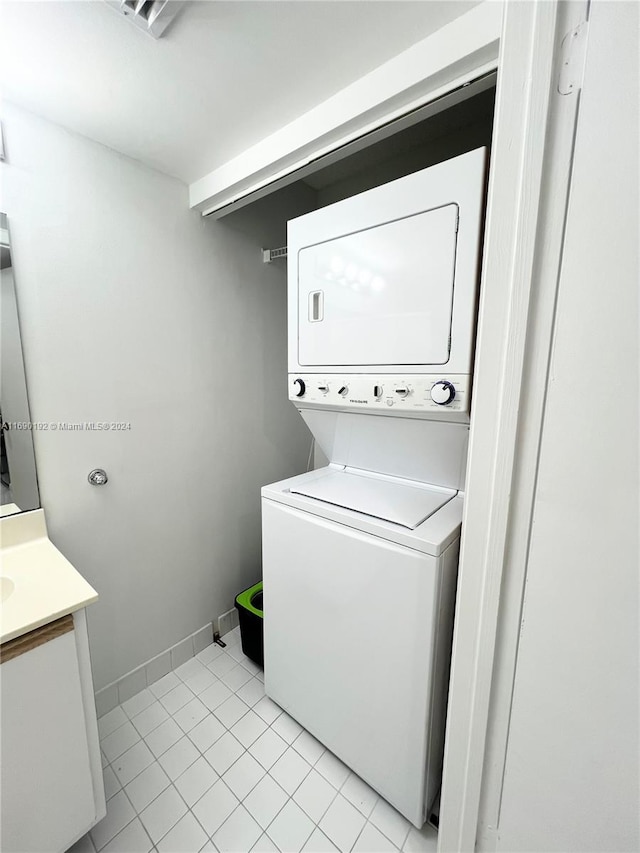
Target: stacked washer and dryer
360	557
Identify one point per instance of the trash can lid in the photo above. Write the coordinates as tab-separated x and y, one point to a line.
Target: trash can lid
245	599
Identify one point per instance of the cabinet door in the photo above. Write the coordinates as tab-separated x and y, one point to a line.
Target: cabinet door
47	788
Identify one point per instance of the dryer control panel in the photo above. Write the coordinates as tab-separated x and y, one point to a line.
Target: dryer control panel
443	396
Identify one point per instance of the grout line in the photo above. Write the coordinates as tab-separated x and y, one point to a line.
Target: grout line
171	785
228	729
360	833
135	815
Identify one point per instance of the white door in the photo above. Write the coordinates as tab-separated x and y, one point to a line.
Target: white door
383	295
573	749
329	591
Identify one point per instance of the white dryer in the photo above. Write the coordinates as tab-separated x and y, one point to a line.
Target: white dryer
360	558
382	294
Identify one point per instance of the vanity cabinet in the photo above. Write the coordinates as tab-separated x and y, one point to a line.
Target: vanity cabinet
52	789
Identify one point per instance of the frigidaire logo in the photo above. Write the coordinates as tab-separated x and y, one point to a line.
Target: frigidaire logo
358	401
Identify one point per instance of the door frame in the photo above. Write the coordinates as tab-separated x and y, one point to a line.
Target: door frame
537	99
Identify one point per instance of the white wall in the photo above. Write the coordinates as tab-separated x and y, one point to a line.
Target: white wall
135	309
571	776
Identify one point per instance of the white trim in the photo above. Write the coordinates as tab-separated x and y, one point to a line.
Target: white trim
553	211
86	688
439	101
459	52
149	672
524	82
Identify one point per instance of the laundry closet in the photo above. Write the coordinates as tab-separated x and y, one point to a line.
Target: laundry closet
360	553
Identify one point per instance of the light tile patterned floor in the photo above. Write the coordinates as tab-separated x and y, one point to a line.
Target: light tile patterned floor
203	761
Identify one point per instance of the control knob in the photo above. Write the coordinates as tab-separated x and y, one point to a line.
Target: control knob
403	391
377	391
343	390
442	392
299	387
324	389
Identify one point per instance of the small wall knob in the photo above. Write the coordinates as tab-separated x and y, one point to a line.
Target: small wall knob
98	477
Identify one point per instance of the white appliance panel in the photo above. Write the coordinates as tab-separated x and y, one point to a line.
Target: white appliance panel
329	591
399	503
426	451
383	295
385	394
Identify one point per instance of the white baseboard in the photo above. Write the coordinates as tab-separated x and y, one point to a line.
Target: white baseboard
147	673
228	621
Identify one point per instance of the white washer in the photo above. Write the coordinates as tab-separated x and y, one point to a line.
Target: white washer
359	619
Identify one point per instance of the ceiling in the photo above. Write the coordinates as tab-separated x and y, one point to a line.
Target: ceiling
223	76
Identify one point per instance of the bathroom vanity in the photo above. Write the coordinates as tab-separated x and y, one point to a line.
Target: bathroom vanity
51	770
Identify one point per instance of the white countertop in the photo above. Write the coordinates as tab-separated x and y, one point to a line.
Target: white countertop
45	584
9	509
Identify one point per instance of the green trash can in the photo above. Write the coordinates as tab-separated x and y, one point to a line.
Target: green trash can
251	615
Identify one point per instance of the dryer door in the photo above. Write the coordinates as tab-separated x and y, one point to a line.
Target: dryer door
382	295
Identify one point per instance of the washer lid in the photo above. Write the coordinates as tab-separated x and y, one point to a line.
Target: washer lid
380	497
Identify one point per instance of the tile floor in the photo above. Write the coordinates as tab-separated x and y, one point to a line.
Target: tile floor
202	760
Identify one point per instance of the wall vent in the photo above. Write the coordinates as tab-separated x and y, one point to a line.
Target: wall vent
152	16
